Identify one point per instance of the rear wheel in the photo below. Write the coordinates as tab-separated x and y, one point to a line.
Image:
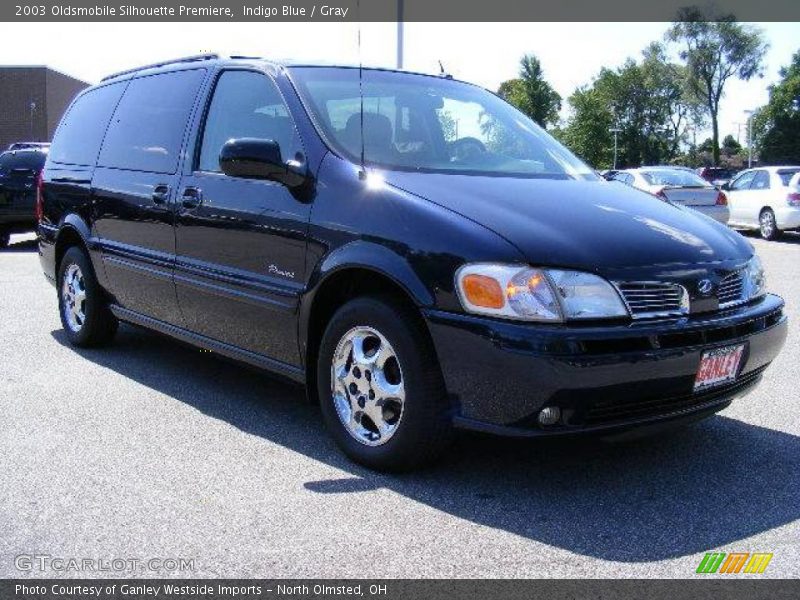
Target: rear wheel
768	226
82	305
380	386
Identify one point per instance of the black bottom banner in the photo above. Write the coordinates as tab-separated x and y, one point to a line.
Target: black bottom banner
391	589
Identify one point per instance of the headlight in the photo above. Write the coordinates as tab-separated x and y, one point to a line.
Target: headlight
755	280
517	292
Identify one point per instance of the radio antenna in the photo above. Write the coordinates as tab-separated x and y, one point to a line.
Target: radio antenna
363	173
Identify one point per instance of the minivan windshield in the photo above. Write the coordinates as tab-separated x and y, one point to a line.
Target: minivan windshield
429	124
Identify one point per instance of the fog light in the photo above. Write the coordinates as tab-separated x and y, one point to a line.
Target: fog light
549	415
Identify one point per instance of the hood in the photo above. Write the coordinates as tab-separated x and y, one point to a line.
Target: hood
589	225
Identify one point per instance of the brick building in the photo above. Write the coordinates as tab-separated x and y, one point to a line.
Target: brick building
32	101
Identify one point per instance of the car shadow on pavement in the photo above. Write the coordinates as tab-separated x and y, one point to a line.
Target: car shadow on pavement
708	485
21	246
788	237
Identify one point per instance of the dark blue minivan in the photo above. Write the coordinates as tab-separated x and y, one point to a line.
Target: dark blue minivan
413	249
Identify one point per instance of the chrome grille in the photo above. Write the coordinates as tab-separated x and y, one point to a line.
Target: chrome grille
731	289
652	299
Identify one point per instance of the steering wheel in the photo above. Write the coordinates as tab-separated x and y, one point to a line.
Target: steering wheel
466	148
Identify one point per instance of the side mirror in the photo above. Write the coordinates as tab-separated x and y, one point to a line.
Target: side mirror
725	186
255	158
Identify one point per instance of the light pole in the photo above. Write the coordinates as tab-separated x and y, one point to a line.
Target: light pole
33	108
615	131
399	34
749	114
739	131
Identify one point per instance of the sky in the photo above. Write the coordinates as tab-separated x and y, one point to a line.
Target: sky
483	53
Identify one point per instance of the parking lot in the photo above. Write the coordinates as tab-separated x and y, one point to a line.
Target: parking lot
151	449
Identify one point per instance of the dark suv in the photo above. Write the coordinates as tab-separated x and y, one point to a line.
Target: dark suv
19	173
416	251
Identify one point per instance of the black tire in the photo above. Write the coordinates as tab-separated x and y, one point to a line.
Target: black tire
425	429
99	325
5	238
768	226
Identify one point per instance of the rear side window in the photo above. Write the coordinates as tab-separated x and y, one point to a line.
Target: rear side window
786	175
78	138
147	129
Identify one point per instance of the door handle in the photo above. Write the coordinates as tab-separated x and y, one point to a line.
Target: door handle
192	197
160	194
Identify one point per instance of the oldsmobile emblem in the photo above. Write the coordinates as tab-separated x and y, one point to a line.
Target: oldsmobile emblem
705	287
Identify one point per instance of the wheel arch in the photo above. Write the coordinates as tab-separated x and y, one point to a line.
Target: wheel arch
765	208
72	232
360	268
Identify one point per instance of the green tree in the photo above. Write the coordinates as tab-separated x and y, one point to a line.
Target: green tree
776	126
730	146
531	93
448	124
647	101
671	99
707	145
715	51
587	132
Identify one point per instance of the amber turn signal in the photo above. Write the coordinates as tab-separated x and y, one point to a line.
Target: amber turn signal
483	291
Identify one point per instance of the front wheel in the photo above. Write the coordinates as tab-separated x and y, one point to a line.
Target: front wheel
768	226
380	387
5	238
84	310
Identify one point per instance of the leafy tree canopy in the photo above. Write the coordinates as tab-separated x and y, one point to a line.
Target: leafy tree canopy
531	93
716	49
776	126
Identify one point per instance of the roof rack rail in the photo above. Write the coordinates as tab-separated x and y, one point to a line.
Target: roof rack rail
185	59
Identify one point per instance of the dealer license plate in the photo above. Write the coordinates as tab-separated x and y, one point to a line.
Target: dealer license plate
718	366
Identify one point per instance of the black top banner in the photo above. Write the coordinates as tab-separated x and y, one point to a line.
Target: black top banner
394	10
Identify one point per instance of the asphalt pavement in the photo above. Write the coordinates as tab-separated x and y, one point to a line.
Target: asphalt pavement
149	449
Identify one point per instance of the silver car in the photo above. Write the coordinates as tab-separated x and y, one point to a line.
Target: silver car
680	186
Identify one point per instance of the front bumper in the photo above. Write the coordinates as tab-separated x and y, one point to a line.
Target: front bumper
500	374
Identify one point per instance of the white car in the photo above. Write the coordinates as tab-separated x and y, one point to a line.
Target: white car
680	186
767	199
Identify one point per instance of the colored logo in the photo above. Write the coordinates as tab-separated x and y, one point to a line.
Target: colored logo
734	562
704	286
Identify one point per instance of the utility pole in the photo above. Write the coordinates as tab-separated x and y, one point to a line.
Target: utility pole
399	34
33	108
749	114
615	131
738	131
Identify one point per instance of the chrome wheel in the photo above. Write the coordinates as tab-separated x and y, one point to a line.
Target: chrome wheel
73	298
767	222
367	386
